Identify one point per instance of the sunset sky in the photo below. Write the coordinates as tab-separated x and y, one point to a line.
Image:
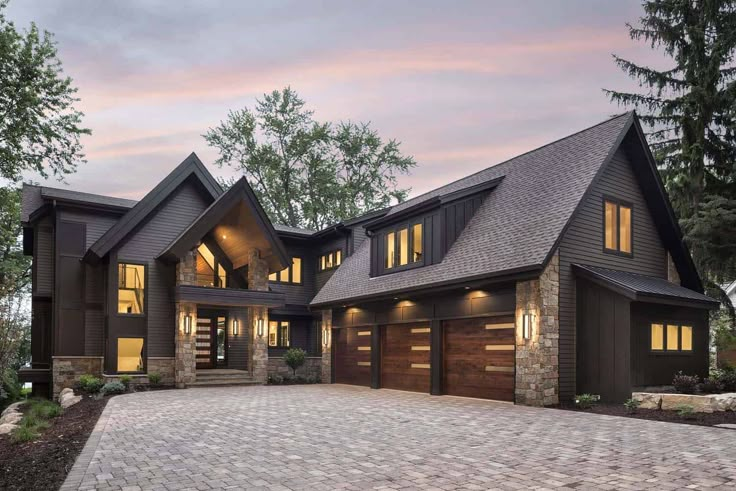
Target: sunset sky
463	85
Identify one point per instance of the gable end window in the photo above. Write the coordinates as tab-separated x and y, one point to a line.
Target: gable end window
330	260
292	274
403	246
131	288
667	337
617	227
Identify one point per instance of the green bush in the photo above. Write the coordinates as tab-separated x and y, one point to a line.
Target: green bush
295	358
24	434
685	384
711	385
154	378
90	384
42	409
631	405
35	420
686	412
10	388
727	378
586	401
113	388
126	380
275	380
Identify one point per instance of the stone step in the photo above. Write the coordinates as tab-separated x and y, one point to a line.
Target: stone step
222	377
223	381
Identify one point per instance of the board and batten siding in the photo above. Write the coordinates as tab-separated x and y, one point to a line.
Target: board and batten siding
298	294
583	244
43	258
144	245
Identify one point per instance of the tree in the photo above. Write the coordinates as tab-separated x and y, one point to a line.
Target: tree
295	358
690	112
39	127
308	173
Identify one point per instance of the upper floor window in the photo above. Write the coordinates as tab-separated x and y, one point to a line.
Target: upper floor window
404	246
671	337
209	271
617	228
278	334
292	274
131	288
329	261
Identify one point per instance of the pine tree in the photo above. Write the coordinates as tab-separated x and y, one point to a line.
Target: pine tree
690	112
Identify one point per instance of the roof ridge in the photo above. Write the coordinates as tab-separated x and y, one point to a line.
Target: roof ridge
628	113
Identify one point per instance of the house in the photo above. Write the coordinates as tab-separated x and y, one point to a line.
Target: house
560	271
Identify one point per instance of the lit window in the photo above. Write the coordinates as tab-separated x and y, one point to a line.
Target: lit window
390	250
292	274
403	246
416	249
130	354
131	288
687	338
273	333
657	337
284	338
278	334
673	341
617	227
284	275
209	271
296	270
272	277
338	257
330	260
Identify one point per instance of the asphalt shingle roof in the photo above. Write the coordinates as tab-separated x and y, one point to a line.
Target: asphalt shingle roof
35	196
647	285
516	226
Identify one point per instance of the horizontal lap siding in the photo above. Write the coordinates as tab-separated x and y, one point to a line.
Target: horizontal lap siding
583	243
43	260
299	294
145	244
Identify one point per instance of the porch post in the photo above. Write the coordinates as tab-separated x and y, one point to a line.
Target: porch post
258	280
185	371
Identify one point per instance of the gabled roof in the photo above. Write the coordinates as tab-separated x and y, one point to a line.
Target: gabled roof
519	224
190	167
34	197
643	288
224	205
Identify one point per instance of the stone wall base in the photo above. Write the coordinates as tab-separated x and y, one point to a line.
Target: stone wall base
312	367
165	367
66	370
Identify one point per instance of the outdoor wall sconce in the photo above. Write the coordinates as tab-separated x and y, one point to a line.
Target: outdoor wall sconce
325	337
235	327
526	327
187	324
260	327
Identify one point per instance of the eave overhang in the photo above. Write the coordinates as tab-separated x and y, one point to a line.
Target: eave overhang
229	297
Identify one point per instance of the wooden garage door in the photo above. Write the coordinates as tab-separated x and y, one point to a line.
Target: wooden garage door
479	358
352	356
405	357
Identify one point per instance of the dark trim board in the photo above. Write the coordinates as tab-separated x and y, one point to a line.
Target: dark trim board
227	297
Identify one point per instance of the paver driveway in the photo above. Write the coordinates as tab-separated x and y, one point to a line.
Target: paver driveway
340	437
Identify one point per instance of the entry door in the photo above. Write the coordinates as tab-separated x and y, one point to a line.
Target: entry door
204	342
211	341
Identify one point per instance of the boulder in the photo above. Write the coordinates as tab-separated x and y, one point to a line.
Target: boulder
700	404
6	428
12	408
11	418
70	400
648	400
724	402
65	391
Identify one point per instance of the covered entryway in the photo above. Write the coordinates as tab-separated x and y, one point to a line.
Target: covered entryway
352	356
479	358
405	357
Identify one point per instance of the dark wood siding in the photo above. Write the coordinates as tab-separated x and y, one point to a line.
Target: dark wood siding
357	237
321	277
144	245
43	259
299	294
603	355
69	337
583	243
455	217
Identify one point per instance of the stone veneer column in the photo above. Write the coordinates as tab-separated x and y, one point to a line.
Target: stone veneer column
537	359
258	280
185	369
326	350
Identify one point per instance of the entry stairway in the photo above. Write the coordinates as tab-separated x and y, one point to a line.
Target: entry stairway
216	377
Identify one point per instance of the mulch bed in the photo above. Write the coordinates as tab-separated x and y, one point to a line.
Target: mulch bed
700	419
44	463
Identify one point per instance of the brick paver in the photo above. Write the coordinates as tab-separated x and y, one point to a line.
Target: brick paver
340	437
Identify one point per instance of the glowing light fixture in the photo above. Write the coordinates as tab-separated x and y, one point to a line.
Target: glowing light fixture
187	324
235	327
260	327
526	327
325	337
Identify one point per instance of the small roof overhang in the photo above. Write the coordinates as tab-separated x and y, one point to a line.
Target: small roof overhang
229	297
642	288
237	222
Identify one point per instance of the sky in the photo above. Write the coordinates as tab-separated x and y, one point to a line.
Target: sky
462	85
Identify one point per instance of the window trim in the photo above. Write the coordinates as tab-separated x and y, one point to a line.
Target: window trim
619	203
290	281
117	287
383	236
324	256
679	351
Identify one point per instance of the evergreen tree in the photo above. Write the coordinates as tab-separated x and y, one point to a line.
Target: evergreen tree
690	112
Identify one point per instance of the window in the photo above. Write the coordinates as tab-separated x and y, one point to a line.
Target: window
130	354
404	246
131	288
278	334
209	271
671	338
617	228
329	260
292	274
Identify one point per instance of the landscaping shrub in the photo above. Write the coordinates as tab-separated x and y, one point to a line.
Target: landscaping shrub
711	385
43	409
295	358
313	379
90	384
631	405
154	378
686	412
126	380
727	378
10	388
275	379
35	420
685	384
586	401
113	388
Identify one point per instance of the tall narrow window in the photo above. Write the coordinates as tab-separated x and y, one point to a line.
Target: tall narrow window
273	333
416	244
296	270
403	247
130	354
390	250
284	338
131	288
617	227
278	334
687	338
338	257
657	337
673	341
